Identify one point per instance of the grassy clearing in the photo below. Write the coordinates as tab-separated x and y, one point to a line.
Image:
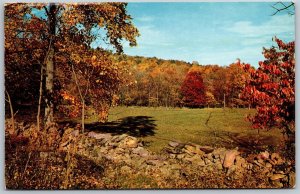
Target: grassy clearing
214	127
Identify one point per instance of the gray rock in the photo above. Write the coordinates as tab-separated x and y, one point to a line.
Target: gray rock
140	151
173	144
206	149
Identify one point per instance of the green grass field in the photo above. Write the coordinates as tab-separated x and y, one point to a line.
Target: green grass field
215	127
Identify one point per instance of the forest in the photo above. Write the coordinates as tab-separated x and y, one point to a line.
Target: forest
78	117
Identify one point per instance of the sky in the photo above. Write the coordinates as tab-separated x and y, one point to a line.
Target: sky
210	33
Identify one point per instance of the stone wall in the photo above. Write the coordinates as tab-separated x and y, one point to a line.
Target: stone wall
172	163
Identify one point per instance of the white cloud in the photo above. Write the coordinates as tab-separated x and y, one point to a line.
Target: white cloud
145	19
247	55
152	36
277	25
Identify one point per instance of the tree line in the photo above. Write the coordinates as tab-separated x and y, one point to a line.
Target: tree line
173	83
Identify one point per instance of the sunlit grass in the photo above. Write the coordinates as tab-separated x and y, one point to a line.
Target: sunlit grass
192	125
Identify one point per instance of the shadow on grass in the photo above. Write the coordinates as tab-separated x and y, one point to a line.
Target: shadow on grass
246	142
137	126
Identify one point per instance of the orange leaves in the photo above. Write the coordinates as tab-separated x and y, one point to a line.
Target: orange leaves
68	97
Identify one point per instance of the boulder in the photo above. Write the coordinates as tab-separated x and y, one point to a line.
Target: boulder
230	156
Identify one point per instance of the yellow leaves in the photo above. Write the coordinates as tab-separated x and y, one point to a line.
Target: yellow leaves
101	22
76	58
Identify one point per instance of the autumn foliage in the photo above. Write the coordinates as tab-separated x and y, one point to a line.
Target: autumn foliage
193	90
271	88
48	50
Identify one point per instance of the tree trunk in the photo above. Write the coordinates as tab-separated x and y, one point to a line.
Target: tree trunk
13	130
50	67
40	97
49	89
224	102
81	97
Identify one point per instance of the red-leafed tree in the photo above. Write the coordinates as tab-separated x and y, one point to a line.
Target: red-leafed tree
271	89
193	90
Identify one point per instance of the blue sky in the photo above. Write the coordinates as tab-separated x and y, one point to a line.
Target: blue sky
210	33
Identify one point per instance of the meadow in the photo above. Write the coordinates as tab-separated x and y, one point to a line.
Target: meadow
216	127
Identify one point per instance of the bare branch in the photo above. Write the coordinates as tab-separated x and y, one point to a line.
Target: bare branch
283	7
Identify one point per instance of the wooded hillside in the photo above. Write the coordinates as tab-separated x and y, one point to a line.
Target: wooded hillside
158	82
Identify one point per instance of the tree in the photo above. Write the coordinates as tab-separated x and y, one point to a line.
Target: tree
235	81
46	35
193	90
271	88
